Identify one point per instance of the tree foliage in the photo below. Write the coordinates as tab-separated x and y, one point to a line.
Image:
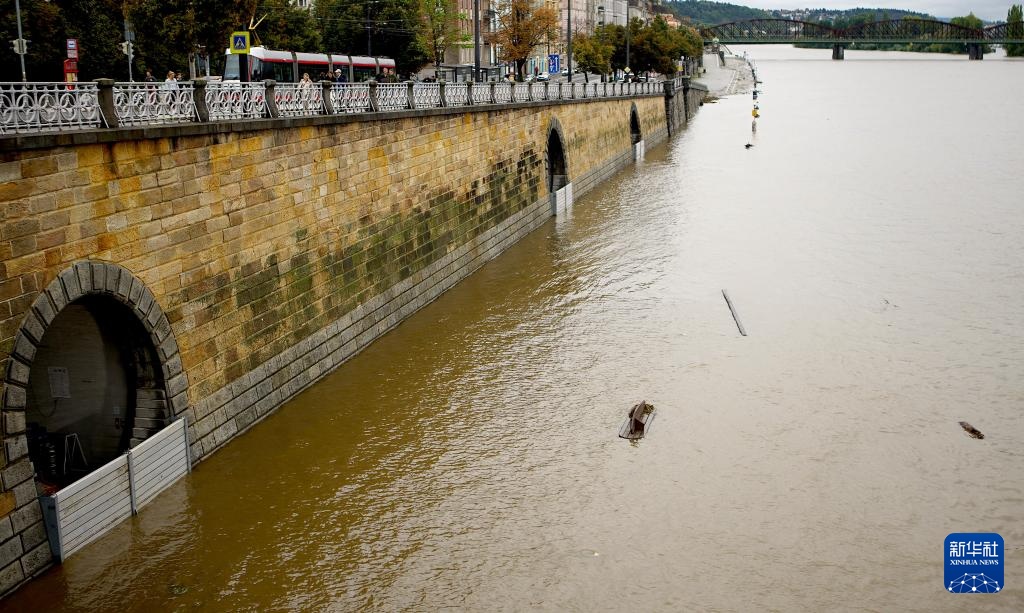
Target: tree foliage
286	26
1015	29
657	47
392	29
592	53
168	32
521	27
713	13
438	28
43	25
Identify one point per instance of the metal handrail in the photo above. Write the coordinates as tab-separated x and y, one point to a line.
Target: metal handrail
39	107
58	106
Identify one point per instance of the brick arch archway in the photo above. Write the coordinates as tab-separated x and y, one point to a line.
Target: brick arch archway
557	157
160	375
634	125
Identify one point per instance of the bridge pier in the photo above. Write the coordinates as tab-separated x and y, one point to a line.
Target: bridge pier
838	51
975	51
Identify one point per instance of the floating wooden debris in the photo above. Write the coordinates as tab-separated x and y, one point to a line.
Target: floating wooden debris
971	430
638	422
735	317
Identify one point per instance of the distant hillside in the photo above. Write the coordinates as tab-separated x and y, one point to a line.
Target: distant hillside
703	12
844	18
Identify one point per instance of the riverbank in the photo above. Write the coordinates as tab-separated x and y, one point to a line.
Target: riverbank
735	77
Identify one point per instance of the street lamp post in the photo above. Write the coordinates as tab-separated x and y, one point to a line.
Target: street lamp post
627	37
568	35
21	41
476	41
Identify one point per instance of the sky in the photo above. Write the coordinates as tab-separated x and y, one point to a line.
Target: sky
992	10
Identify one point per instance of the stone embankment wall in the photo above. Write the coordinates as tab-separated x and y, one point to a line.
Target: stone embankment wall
258	256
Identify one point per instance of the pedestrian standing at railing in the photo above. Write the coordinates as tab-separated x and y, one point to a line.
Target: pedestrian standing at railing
306	91
168	95
149	76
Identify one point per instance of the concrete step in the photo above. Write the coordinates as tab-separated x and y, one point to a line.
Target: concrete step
149	424
150	394
151	413
151	403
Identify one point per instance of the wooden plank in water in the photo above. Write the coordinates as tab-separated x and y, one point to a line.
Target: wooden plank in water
732	310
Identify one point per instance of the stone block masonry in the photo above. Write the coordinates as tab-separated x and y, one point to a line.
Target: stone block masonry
259	256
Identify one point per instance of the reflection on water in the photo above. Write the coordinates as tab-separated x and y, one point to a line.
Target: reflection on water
470	459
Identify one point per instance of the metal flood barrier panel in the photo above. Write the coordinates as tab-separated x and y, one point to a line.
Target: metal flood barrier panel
85	510
562	200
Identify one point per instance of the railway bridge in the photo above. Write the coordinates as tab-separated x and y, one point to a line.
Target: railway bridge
896	31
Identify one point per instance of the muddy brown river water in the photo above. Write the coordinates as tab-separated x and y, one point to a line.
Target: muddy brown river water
871	242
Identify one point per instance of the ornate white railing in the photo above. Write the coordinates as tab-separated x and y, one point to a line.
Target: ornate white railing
37	107
236	100
503	93
521	92
392	96
481	93
298	99
350	97
142	104
457	94
428	95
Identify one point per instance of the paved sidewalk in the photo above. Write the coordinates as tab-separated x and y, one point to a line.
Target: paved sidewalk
734	78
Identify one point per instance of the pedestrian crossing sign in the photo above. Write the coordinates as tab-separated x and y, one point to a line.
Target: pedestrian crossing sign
239	42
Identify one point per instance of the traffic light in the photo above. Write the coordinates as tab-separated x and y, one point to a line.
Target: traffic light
124	47
20	46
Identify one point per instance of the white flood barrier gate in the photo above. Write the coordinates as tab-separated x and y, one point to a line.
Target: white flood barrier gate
562	200
85	510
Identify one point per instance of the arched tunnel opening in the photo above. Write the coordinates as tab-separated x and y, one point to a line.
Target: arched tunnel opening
634	127
557	175
95	389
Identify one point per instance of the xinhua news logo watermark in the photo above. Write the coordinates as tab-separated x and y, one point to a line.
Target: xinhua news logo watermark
974	563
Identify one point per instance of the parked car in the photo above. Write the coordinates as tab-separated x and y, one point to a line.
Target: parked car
543	76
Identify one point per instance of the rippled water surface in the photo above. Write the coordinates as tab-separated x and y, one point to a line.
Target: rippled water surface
871	241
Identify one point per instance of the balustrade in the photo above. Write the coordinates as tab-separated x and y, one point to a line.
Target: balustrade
40	107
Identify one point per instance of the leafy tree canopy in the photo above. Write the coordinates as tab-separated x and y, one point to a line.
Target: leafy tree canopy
1014	17
522	25
392	26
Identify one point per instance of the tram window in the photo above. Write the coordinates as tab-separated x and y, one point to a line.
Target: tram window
364	73
279	71
231	68
315	71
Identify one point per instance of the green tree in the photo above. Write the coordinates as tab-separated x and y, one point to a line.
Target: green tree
1014	18
592	54
438	28
285	26
614	35
43	24
373	27
651	48
522	25
169	33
